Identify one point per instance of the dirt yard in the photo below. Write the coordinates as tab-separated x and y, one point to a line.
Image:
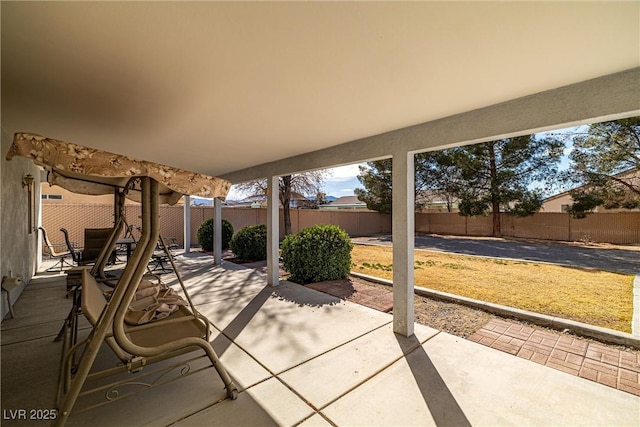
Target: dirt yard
449	317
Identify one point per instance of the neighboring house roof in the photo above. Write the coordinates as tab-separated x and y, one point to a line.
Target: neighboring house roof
562	201
431	197
263	197
628	174
347	200
297	200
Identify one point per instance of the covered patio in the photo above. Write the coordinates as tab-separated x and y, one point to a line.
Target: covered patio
296	363
249	91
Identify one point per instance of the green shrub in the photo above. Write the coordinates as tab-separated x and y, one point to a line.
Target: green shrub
250	243
205	234
321	252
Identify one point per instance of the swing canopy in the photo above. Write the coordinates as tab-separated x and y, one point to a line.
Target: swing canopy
90	171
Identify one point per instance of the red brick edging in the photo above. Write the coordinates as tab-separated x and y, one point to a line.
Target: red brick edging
576	356
586	359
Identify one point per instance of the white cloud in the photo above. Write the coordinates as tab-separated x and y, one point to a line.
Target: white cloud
235	194
341	187
340	181
348	171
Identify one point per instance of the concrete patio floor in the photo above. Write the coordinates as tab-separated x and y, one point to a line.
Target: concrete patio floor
302	357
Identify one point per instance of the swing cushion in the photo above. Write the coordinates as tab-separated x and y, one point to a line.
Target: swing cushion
179	324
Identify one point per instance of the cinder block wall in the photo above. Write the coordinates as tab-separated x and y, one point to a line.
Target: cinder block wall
618	228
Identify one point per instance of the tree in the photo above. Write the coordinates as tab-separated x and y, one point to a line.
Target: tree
376	178
377	181
498	176
494	177
306	183
605	165
440	177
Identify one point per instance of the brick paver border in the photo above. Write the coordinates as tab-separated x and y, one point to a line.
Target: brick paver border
370	296
610	366
590	360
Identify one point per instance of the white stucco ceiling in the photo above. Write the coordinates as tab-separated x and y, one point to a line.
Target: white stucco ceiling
216	87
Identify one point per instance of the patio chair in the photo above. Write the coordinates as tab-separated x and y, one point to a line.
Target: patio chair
60	256
161	258
76	253
128	232
172	244
94	240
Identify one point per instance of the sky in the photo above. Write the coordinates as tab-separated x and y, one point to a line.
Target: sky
340	181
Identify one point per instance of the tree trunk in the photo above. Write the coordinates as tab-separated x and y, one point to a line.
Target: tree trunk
285	198
497	230
495	192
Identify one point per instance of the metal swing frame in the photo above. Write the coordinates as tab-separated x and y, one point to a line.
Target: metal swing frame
110	326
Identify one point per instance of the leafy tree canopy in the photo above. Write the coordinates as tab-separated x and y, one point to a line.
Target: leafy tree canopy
497	176
376	179
494	176
307	183
606	167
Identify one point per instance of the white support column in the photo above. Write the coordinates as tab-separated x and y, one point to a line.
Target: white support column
187	224
403	242
273	230
217	231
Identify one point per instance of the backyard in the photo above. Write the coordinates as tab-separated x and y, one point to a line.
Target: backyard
590	296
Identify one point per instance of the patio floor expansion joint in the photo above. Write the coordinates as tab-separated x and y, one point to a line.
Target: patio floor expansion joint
374	374
333	348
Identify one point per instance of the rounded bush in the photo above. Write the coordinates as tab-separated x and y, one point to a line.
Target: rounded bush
318	253
205	234
250	243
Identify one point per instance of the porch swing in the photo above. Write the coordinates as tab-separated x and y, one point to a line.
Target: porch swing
183	330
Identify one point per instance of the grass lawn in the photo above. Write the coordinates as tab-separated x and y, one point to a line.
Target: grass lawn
590	296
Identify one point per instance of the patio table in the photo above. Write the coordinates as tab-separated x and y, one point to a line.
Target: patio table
128	242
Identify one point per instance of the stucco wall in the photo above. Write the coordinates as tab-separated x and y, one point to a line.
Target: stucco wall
555	205
69	197
18	253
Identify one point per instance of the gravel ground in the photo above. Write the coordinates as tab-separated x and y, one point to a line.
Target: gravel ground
462	321
455	319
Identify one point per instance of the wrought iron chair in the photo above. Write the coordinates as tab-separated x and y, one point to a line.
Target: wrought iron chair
60	256
161	258
76	253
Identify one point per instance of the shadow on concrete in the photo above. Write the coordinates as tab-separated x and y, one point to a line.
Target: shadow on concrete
237	325
441	403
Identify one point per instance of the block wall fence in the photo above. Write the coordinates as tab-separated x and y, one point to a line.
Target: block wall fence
616	228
